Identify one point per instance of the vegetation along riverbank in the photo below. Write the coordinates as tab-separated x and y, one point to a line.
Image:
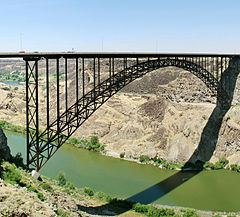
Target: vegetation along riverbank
94	145
22	195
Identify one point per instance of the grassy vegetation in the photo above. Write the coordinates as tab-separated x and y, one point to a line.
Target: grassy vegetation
159	162
8	126
62	213
92	144
220	164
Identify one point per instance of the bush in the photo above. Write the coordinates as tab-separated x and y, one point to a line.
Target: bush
190	213
209	165
11	174
122	155
61	178
144	158
88	191
137	207
70	185
40	196
94	140
101	196
33	189
73	140
62	213
47	187
222	162
235	167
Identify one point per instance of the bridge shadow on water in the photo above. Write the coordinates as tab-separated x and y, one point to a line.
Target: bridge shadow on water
203	152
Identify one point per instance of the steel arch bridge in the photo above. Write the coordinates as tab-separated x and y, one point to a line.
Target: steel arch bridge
110	72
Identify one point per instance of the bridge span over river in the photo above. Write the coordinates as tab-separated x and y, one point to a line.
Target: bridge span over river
97	77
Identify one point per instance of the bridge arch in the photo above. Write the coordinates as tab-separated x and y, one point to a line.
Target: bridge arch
69	121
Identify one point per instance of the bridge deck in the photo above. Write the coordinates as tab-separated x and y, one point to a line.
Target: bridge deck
108	54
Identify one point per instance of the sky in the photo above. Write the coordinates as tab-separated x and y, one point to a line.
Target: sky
205	26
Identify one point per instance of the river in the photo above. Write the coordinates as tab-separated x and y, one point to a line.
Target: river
208	190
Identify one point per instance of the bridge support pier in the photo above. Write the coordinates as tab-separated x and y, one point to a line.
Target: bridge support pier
32	110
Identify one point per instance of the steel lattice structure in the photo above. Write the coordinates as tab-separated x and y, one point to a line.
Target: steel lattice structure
110	72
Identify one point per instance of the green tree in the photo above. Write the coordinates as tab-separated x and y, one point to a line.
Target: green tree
94	140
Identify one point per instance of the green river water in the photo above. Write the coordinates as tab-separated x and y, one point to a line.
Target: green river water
206	190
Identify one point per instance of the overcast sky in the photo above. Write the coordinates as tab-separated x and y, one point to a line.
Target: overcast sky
120	25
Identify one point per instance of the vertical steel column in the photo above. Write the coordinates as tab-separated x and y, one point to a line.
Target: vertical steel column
138	63
48	107
32	120
27	115
58	99
66	87
77	107
83	82
217	72
99	78
37	115
110	71
125	68
113	68
94	81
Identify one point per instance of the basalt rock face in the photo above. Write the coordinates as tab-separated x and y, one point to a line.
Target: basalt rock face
4	149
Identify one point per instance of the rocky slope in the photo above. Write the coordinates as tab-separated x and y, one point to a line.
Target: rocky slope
169	113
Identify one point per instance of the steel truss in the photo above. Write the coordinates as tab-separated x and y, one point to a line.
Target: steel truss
42	145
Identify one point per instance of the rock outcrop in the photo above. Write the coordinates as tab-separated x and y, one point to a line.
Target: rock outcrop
5	152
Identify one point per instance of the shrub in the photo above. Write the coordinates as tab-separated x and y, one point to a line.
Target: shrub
73	140
144	158
235	167
109	199
101	196
222	162
61	178
209	165
40	196
62	213
33	189
190	213
88	191
122	155
2	123
70	185
137	207
47	187
94	140
11	174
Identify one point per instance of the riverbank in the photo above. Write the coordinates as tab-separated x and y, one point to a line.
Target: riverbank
94	145
124	179
21	194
